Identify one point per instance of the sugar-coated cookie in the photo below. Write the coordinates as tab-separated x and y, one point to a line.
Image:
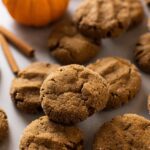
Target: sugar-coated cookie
73	93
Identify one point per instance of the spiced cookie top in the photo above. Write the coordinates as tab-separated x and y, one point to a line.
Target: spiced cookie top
73	93
46	135
142	52
125	132
123	78
25	88
3	125
68	46
103	18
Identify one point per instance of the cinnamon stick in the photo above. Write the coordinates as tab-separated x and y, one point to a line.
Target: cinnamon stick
20	44
11	61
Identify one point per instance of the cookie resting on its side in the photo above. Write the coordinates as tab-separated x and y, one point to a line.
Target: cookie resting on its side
69	46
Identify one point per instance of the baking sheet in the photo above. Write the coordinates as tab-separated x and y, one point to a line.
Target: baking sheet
122	46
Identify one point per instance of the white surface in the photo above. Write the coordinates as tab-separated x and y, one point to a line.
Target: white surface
122	46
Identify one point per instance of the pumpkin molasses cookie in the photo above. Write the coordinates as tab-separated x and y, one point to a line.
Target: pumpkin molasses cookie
68	46
123	78
3	125
25	89
103	18
142	52
148	103
136	12
125	132
147	2
72	94
42	134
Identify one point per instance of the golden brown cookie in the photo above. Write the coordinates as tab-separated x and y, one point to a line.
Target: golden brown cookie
3	125
136	12
42	134
103	18
147	2
126	132
123	78
25	89
142	52
68	46
72	94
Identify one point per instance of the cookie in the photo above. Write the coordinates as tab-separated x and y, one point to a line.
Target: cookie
148	24
142	52
68	46
123	78
3	125
103	18
136	12
42	134
72	94
25	89
127	132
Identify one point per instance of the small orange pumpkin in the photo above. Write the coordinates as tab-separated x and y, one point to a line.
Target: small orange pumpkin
36	12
